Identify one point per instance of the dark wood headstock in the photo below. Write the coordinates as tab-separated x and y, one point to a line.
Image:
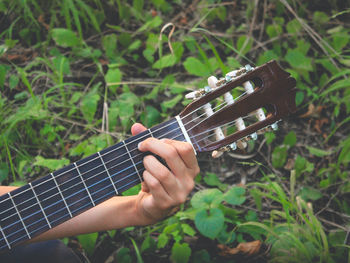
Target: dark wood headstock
274	91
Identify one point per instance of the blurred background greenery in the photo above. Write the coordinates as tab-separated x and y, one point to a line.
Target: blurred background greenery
75	75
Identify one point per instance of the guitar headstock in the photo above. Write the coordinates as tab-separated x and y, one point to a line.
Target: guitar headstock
220	117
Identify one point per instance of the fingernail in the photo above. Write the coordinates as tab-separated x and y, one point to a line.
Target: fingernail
139	146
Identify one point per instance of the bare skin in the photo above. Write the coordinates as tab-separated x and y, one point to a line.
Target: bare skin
162	190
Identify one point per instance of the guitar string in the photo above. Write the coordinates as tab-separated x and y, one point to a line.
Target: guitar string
92	193
66	172
227	124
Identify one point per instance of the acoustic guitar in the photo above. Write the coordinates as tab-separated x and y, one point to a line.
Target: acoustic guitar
213	121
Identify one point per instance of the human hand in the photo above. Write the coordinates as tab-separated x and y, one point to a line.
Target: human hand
164	189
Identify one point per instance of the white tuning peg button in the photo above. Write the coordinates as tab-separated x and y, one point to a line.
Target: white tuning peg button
274	126
254	136
191	95
212	80
216	154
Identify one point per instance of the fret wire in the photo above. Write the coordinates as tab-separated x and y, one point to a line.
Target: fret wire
184	132
64	200
83	205
168	124
99	181
156	130
94	192
19	215
109	175
5	238
117	181
37	199
150	132
93	184
132	161
86	188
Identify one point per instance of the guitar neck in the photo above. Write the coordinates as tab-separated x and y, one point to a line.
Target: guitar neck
53	199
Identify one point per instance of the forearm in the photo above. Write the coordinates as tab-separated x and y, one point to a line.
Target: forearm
117	212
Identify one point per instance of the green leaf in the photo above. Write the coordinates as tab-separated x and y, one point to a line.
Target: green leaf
154	22
123	255
274	30
235	195
65	37
148	244
88	242
309	193
151	116
279	156
302	165
171	103
165	61
293	26
188	230
180	253
113	75
299	97
196	67
209	222
320	18
212	180
52	164
4	171
88	105
290	139
13	81
207	198
269	136
318	152
3	71
109	43
135	45
298	60
61	65
344	156
201	256
162	240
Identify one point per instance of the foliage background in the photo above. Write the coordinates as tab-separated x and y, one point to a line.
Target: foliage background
75	75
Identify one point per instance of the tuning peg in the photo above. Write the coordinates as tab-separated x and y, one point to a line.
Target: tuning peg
248	68
212	80
254	136
274	126
217	153
191	95
233	146
198	93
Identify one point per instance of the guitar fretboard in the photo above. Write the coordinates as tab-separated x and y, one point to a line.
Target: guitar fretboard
53	199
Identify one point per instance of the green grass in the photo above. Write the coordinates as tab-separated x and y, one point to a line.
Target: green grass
75	75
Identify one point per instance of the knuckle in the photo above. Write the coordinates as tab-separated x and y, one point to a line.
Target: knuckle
181	198
190	185
187	148
147	142
147	159
163	173
171	153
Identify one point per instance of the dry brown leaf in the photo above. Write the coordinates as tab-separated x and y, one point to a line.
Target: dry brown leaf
319	123
312	112
290	164
246	249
